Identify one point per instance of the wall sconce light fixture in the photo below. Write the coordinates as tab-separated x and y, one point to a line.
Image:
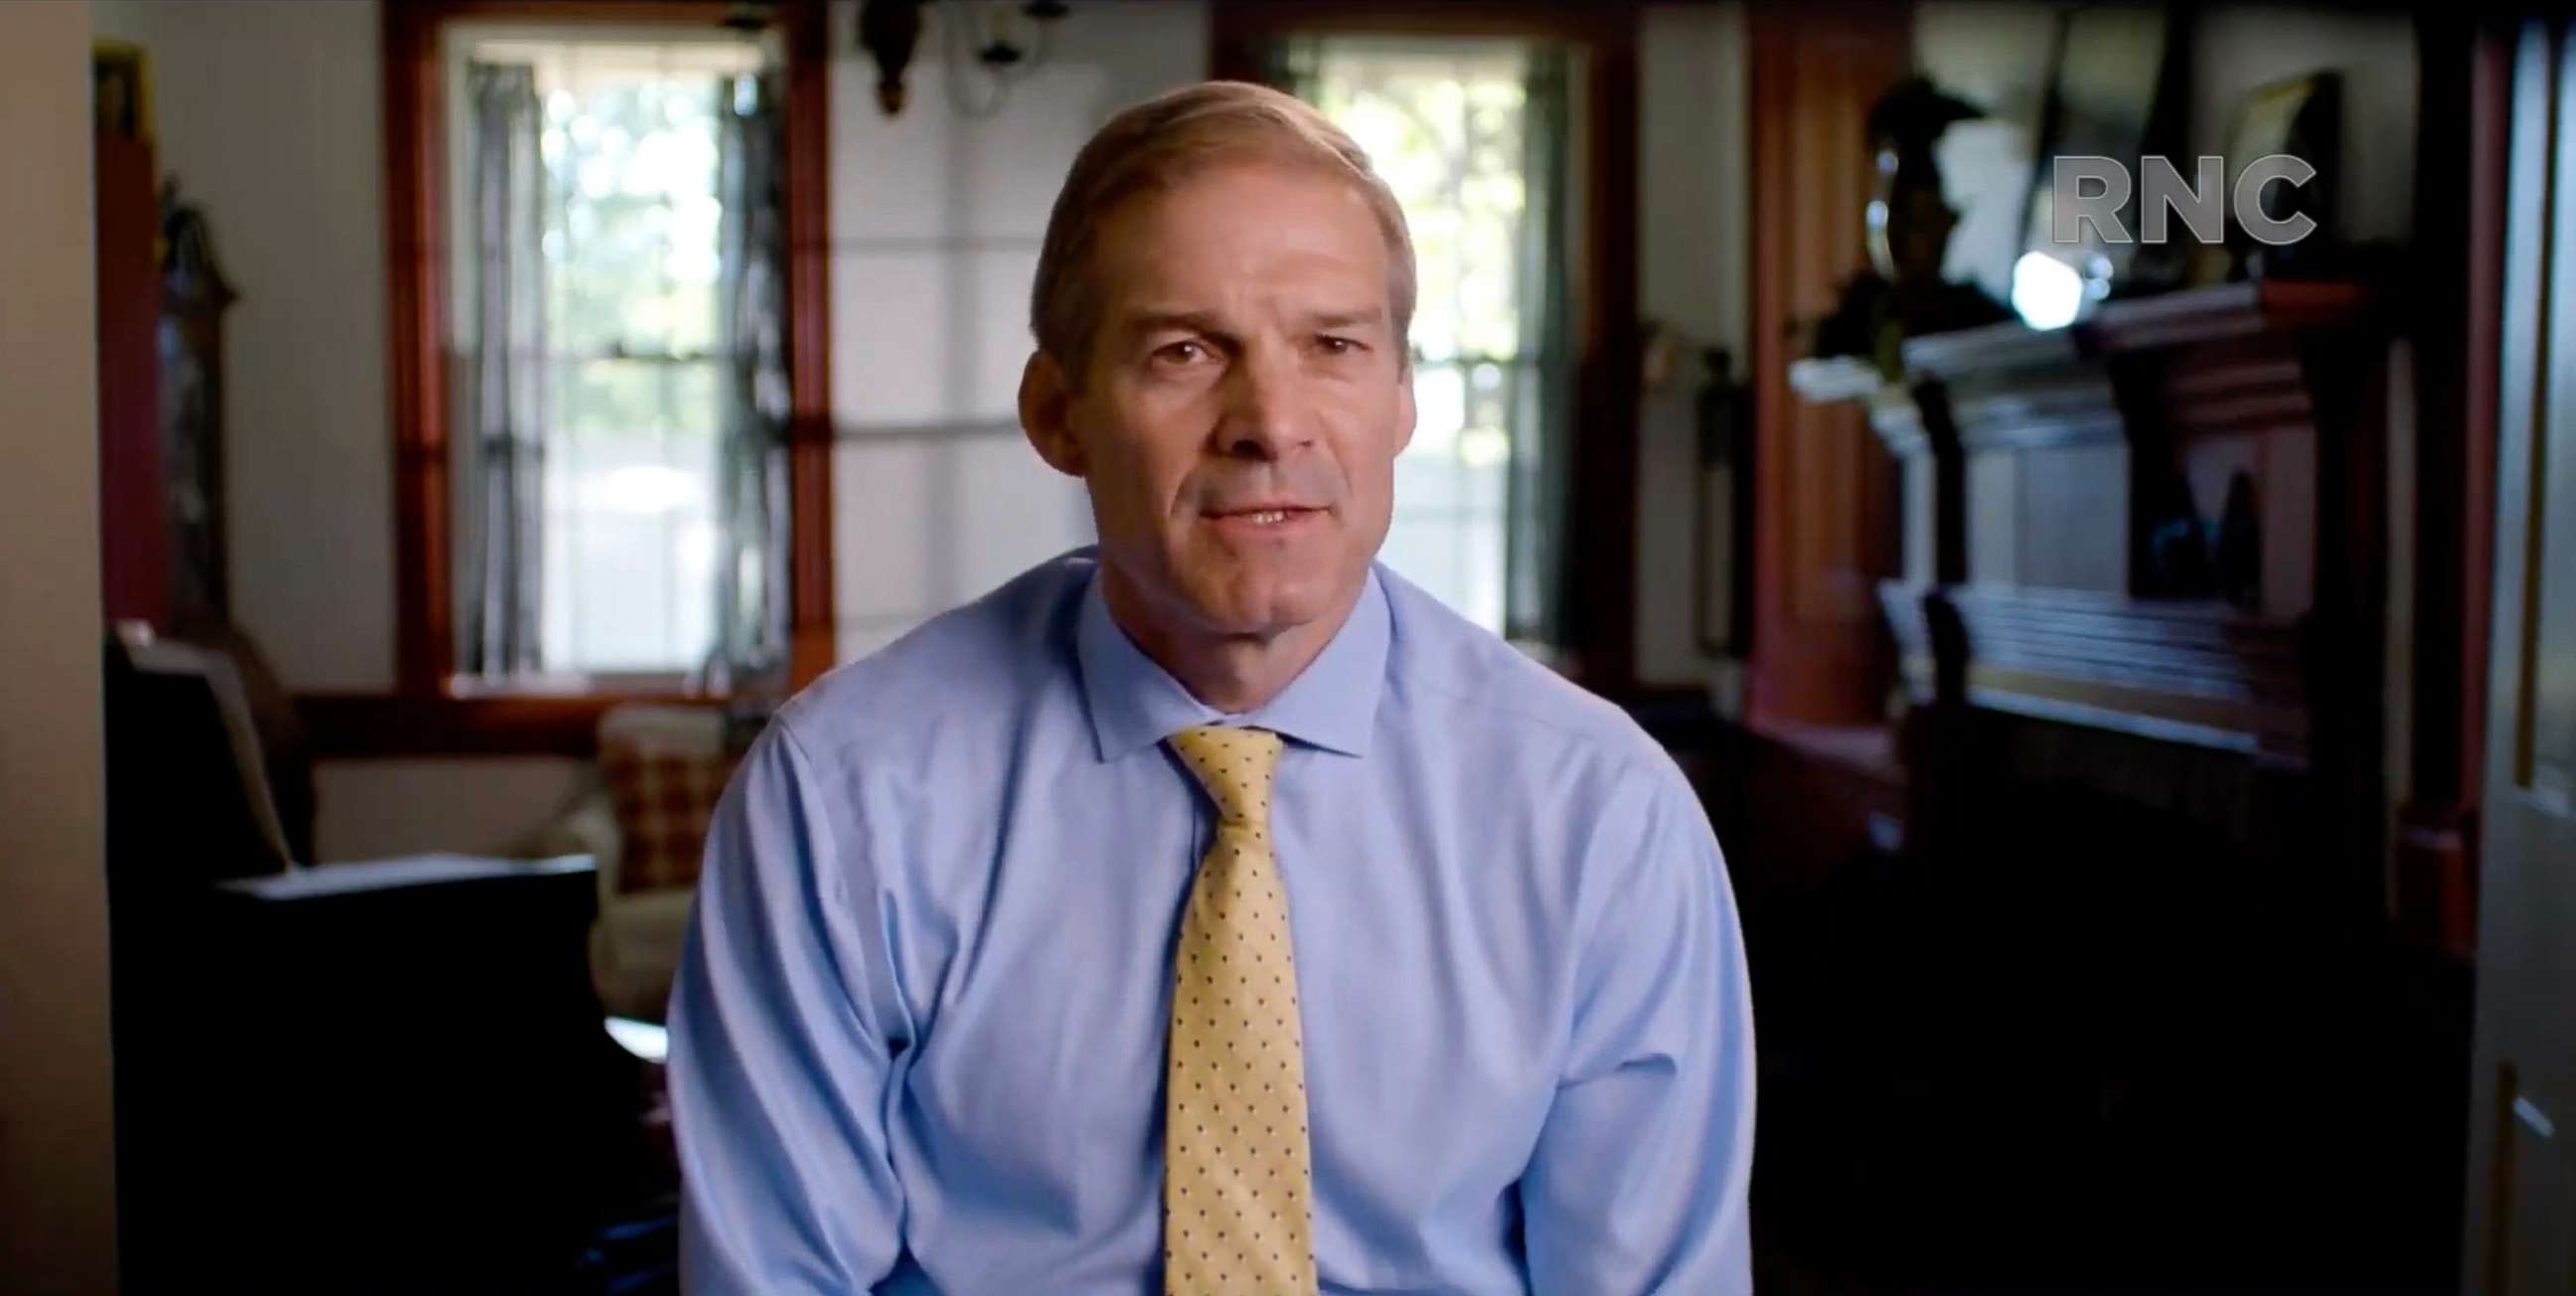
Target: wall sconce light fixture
987	44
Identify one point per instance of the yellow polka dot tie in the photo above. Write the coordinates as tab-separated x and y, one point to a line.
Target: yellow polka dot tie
1236	1184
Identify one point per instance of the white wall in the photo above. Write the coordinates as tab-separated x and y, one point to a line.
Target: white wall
1994	53
936	221
270	114
1693	243
370	809
2236	49
57	1123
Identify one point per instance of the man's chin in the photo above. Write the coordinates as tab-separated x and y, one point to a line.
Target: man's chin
1266	606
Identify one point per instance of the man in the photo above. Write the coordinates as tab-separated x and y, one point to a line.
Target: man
1211	910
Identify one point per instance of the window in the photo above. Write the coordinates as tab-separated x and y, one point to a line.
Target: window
473	425
1469	133
592	305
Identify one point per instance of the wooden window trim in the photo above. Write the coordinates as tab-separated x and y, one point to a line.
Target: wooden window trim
1601	527
424	714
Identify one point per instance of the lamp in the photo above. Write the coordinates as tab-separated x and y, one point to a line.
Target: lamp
988	34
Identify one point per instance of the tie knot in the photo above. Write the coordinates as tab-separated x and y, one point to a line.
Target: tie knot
1234	765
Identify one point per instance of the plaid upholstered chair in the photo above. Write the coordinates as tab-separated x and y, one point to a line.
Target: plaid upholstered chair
664	767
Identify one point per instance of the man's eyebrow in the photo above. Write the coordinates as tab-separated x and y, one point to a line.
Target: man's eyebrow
1346	318
1158	321
1196	321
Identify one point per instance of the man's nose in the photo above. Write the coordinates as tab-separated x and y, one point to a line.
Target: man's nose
1266	412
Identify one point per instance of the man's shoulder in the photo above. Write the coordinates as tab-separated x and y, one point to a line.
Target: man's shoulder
985	657
1481	688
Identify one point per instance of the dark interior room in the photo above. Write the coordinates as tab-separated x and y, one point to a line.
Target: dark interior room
2085	493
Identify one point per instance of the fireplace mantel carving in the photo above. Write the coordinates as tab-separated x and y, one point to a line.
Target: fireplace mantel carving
2167	522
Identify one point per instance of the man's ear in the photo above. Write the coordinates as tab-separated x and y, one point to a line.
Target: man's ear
1405	412
1046	415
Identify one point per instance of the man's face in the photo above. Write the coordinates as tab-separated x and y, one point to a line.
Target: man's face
1244	401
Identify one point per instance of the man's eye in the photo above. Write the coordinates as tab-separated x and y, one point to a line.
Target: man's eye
1332	345
1185	351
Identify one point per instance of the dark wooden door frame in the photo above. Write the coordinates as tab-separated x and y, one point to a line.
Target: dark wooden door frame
2460	186
1826	496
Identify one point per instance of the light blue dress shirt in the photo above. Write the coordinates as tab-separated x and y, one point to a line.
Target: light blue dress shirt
918	1028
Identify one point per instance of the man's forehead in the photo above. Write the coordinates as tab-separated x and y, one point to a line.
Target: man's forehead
1248	202
1195	176
1143	315
1174	248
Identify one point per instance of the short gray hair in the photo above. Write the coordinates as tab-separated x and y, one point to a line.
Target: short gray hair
1164	140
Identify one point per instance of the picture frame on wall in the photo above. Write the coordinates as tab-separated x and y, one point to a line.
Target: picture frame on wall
2301	117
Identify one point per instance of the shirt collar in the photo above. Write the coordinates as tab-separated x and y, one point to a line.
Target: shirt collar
1331	704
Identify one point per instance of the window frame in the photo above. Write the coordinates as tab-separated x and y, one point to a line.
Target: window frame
429	710
1600	648
1466	509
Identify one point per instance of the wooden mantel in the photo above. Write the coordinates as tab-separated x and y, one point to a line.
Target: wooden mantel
2191	317
2047	478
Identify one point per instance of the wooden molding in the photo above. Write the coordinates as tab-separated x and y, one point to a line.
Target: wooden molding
134	537
2221	313
1601	626
416	251
2462	184
371	725
2253	385
1826	499
2005	346
1238	29
680	13
811	624
2074	407
2186	670
2213	360
2226	312
2433	879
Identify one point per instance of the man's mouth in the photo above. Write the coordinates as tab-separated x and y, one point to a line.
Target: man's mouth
1279	518
1265	516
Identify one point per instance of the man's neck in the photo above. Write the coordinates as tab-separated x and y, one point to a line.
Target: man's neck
1231	673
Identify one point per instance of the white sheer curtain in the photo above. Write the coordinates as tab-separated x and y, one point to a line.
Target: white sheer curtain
751	617
500	586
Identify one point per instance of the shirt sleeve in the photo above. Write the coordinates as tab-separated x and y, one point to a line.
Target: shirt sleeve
780	1065
1639	1181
